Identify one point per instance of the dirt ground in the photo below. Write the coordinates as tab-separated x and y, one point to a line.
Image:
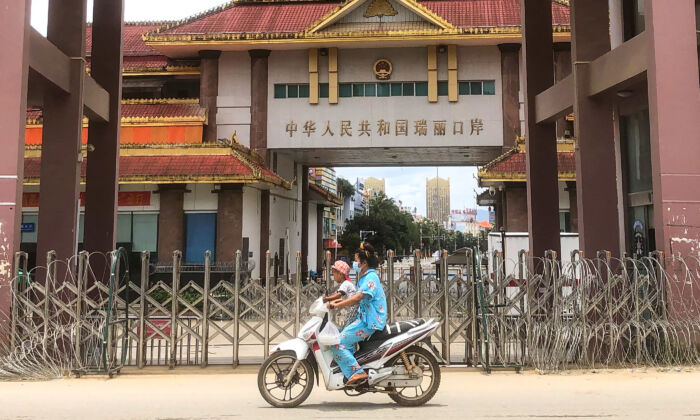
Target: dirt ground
223	392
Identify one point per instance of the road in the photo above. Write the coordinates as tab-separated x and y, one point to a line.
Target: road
222	393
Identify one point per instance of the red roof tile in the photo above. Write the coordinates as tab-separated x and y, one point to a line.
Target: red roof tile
133	43
488	13
265	17
187	166
156	109
515	163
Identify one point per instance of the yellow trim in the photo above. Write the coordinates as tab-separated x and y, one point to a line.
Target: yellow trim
161	73
313	76
452	68
333	75
432	74
160	101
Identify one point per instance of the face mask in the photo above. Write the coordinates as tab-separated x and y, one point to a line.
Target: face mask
356	266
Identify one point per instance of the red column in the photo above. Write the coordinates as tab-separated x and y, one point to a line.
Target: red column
229	222
674	110
542	176
510	87
598	221
14	67
62	133
171	221
209	90
102	185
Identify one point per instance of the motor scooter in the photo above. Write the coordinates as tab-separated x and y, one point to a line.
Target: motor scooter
400	361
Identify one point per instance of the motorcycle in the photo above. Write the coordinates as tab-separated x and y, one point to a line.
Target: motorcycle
400	361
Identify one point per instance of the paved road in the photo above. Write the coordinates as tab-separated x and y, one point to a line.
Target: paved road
222	393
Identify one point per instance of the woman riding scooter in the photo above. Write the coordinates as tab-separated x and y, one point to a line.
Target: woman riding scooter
371	314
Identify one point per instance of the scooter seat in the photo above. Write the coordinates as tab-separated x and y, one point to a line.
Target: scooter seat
392	330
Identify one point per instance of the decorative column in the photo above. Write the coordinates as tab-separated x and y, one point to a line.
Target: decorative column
171	221
598	222
258	138
313	76
333	75
209	90
61	154
510	88
540	139
432	74
674	107
229	221
452	68
15	30
102	185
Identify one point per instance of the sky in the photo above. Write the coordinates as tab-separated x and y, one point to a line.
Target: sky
406	184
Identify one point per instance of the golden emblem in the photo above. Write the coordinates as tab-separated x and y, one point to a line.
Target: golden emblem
380	8
382	69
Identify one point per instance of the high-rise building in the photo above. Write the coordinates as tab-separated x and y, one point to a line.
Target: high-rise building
437	199
374	186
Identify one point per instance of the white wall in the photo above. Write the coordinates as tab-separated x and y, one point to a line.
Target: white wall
200	198
564	203
233	114
410	64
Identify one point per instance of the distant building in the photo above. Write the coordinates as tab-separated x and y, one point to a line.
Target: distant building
374	186
360	199
437	199
464	220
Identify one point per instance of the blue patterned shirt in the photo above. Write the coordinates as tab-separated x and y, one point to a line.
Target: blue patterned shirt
372	308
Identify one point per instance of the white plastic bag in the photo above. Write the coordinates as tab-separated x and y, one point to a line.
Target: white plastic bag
329	335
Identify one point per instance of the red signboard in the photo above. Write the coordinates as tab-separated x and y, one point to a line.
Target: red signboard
126	199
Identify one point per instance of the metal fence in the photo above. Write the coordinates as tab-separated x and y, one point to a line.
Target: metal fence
549	315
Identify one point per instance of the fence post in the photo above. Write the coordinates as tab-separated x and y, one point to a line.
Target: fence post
327	272
50	277
80	282
20	264
417	272
205	308
236	303
444	275
268	286
297	291
174	307
471	276
145	263
390	284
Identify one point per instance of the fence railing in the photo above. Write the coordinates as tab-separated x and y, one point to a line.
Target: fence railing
549	314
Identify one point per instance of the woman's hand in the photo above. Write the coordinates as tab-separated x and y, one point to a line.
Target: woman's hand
335	304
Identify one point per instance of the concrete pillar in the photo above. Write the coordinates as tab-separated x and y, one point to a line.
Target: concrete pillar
62	133
305	220
14	67
102	184
674	107
258	137
229	222
595	147
319	238
542	175
171	221
562	69
510	86
209	90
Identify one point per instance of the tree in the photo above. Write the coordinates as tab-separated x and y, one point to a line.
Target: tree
345	188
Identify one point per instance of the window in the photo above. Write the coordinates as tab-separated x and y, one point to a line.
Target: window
292	91
303	91
358	89
323	90
464	88
409	89
475	88
145	232
124	228
383	89
633	18
396	89
489	88
422	89
370	89
345	90
280	91
443	88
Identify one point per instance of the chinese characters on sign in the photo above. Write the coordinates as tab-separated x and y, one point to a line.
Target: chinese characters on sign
383	127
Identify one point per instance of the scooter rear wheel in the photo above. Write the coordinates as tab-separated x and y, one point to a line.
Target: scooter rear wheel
273	373
415	396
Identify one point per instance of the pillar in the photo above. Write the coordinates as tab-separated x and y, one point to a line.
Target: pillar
674	107
258	138
542	175
171	221
595	146
562	69
102	185
304	220
14	29
319	238
61	143
229	222
209	90
510	87
516	207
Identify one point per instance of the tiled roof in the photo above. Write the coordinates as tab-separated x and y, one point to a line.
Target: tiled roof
262	17
488	13
145	62
230	168
148	110
512	166
270	17
133	42
515	163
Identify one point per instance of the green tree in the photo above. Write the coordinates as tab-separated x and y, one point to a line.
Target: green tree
345	188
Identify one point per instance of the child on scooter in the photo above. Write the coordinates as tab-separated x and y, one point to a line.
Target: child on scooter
345	289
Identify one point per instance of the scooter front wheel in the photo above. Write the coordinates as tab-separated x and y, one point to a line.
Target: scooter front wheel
276	370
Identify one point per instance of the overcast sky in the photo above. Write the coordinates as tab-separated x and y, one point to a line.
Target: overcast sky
405	184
